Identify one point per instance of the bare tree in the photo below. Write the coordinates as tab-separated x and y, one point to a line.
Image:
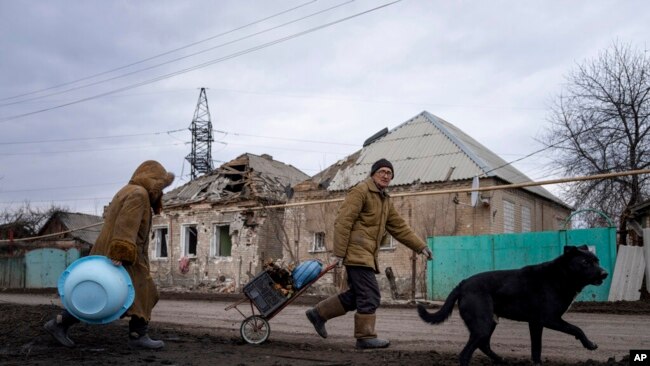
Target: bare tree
599	124
280	221
27	220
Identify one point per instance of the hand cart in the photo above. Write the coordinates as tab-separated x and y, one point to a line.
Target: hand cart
261	295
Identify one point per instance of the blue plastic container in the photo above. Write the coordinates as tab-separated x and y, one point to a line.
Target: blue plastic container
95	290
306	272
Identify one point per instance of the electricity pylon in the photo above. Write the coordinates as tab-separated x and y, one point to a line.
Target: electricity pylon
201	156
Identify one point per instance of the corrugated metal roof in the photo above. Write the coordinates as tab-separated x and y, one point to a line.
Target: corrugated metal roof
73	220
428	149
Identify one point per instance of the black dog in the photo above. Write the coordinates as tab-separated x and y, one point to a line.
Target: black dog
538	294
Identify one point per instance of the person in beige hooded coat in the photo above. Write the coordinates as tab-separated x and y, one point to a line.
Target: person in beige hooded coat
363	222
124	239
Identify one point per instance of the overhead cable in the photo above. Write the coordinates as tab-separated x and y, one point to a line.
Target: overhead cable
173	60
202	65
158	55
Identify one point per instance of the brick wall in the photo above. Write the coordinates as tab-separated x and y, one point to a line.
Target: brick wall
288	234
448	214
253	236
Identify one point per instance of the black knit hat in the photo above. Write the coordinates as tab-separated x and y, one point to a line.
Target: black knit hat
382	163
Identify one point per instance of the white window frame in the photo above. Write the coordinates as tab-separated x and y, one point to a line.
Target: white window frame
157	242
526	219
508	216
185	240
391	244
216	238
318	242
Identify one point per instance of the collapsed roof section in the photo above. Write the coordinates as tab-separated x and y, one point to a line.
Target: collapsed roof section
247	177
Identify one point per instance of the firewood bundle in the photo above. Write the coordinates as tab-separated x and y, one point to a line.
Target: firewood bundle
281	275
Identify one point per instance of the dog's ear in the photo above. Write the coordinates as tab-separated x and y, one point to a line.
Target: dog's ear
569	249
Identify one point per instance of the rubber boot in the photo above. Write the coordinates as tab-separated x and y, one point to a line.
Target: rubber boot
364	332
139	336
58	328
324	311
144	341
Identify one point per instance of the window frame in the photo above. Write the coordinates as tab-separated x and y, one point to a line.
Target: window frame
509	217
185	240
318	248
156	252
215	241
526	219
391	244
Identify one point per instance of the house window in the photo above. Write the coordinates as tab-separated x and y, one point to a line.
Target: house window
160	239
387	243
508	217
525	219
319	242
221	245
189	240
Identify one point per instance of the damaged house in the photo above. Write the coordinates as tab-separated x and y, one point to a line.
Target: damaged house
212	232
39	263
429	155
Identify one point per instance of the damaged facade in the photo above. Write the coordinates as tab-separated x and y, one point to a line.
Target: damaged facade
428	154
211	232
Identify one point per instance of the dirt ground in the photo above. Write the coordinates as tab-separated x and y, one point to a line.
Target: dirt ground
24	342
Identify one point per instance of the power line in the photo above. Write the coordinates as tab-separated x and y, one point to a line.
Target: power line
283	138
158	55
202	65
87	150
286	149
176	59
59	200
58	188
527	156
90	138
376	101
170	132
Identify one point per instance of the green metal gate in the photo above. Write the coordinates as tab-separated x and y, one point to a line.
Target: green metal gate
458	257
43	267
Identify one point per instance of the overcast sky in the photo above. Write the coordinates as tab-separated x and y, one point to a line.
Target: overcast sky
90	89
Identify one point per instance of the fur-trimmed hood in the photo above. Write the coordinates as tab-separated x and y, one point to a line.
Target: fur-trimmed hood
154	178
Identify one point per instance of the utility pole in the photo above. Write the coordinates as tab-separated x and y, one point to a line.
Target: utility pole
201	156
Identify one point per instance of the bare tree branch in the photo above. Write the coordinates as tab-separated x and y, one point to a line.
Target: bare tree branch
600	123
25	220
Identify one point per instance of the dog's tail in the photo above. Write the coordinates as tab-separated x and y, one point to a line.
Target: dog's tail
444	312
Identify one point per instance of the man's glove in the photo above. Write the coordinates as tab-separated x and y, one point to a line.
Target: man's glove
427	253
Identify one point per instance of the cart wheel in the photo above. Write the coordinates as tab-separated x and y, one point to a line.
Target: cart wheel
255	329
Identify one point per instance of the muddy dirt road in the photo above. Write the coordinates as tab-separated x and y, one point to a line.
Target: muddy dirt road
203	333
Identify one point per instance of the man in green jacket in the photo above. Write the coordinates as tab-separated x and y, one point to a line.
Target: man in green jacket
364	220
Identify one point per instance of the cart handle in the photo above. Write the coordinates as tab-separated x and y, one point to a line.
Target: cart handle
329	268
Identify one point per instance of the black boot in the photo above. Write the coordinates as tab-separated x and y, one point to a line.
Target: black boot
317	322
58	328
324	311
